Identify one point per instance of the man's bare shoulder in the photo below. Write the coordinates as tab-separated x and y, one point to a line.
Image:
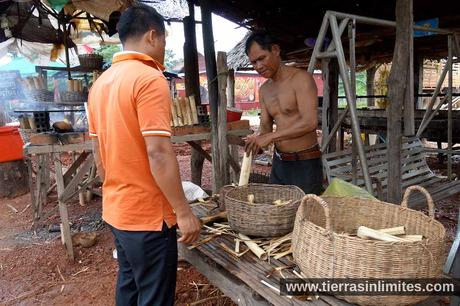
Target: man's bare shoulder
265	86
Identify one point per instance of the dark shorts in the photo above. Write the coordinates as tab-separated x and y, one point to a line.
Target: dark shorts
305	174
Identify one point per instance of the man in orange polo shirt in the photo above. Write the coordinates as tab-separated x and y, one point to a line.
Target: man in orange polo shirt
129	120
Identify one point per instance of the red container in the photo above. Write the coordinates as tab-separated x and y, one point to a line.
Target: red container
233	114
10	144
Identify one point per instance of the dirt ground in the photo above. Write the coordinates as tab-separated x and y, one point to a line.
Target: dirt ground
34	269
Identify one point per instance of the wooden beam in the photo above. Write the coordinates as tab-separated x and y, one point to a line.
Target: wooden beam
330	70
409	105
192	83
222	70
211	73
397	83
234	155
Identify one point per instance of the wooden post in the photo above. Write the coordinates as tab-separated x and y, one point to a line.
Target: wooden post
231	102
211	73
370	76
409	105
396	93
418	80
330	70
222	120
192	84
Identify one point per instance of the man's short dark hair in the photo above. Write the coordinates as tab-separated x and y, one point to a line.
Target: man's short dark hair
262	38
138	19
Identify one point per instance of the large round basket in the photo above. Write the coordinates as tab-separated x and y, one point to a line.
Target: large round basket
323	247
263	218
73	96
41	95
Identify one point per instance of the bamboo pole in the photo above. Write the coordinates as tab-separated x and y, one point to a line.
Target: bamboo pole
365	232
399	230
245	169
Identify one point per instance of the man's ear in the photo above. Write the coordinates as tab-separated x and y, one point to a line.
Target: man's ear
276	49
152	36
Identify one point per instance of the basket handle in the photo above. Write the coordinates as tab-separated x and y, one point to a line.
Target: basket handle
323	204
429	199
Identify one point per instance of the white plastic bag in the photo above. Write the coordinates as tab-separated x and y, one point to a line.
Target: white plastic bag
193	192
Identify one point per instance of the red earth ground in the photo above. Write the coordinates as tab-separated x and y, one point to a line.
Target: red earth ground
34	269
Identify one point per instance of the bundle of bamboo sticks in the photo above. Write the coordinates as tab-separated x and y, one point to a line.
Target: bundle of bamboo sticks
75	85
33	83
183	111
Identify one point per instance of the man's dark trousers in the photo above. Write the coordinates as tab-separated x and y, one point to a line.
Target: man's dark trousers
147	263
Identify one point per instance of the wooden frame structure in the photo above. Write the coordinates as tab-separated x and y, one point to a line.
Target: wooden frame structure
335	50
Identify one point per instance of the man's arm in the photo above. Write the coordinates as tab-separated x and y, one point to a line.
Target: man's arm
307	103
165	170
265	128
97	159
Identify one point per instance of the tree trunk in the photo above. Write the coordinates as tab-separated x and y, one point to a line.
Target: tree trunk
397	83
13	179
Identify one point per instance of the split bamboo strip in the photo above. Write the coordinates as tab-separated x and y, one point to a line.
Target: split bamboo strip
412	237
189	111
183	111
399	230
178	112
193	108
258	251
174	114
365	232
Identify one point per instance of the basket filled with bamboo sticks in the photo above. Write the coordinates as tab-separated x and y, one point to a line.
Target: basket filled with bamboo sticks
262	210
351	238
36	89
75	92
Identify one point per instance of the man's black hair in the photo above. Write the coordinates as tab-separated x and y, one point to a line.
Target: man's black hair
262	38
138	19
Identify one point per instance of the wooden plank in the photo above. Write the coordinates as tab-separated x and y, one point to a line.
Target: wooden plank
65	234
239	292
70	188
76	147
73	168
224	172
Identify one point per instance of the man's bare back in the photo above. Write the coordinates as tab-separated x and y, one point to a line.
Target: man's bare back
282	102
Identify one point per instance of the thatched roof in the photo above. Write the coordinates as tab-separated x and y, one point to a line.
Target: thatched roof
237	58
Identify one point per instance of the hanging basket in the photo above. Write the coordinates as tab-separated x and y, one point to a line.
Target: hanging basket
41	95
263	218
73	96
323	247
91	61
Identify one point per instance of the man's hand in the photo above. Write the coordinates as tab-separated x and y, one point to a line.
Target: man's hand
255	144
189	226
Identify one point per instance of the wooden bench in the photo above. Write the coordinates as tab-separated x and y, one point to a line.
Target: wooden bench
415	171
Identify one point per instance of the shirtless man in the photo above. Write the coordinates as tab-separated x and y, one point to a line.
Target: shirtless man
289	99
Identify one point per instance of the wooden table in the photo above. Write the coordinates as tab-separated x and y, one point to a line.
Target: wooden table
80	176
240	279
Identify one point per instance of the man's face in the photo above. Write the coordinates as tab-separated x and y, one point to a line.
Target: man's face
265	62
156	43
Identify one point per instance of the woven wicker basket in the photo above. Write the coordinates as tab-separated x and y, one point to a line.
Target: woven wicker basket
91	61
41	95
73	96
263	218
322	247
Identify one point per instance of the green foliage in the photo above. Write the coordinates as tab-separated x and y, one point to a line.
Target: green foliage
170	60
361	90
107	52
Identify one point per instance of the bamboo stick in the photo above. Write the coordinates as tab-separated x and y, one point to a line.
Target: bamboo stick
185	111
231	252
250	198
36	81
412	237
189	111
209	219
174	114
365	232
280	255
245	169
178	112
193	108
257	250
399	230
